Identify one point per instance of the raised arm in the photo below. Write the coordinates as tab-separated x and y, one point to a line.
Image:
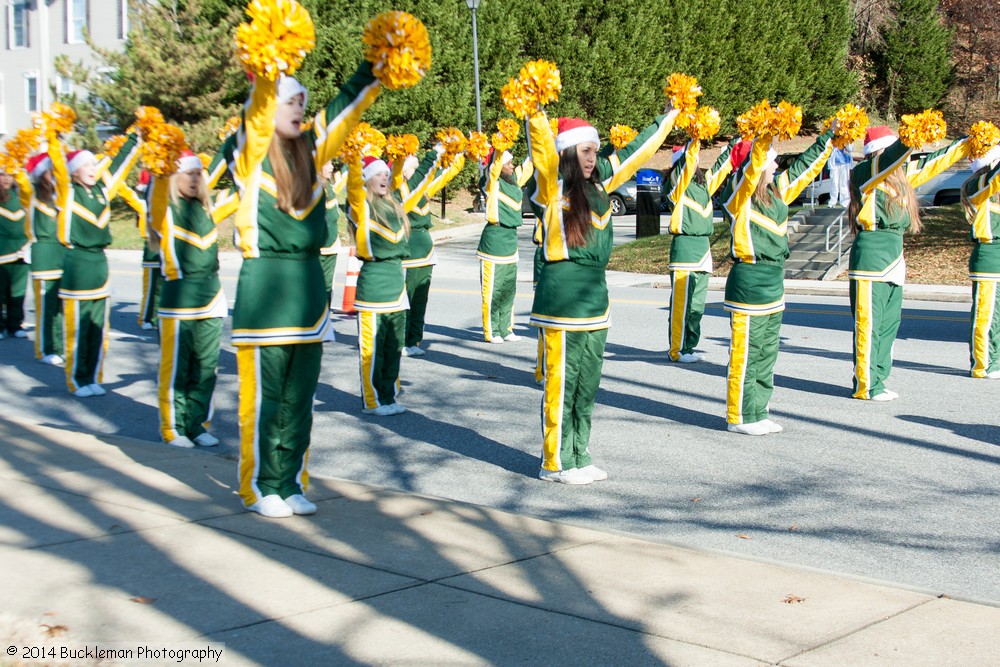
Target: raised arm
523	173
546	161
978	190
718	172
621	165
24	190
121	164
333	124
748	176
492	188
413	188
805	168
445	176
683	170
221	161
920	171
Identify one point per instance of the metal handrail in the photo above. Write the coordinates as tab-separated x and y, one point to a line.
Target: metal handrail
839	243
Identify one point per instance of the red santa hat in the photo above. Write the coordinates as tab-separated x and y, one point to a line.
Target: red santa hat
372	167
878	137
37	165
188	161
574	131
76	159
987	160
675	155
739	153
143	183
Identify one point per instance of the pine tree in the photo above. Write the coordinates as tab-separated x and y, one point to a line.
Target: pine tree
914	63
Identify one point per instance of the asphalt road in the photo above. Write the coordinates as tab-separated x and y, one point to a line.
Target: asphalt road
906	492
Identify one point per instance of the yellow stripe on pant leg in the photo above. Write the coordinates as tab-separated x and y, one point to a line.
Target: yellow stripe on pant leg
678	312
169	348
540	357
983	308
248	367
553	397
739	350
147	276
486	278
71	329
39	317
863	330
367	331
105	339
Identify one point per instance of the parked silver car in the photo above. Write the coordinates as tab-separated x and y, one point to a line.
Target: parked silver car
622	199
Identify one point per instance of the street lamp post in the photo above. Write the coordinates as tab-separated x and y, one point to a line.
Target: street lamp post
474	5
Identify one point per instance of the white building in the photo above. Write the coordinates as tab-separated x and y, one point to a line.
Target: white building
37	31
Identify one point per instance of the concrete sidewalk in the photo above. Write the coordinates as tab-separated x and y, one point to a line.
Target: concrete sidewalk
105	539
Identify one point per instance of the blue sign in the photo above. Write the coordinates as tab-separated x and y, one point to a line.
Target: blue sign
648	177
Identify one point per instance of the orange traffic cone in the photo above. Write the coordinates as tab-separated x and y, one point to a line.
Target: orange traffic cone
351	282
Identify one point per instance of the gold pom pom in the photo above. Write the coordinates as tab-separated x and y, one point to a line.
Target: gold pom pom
922	128
146	119
516	99
983	136
206	160
398	146
7	164
114	144
59	119
500	142
277	39
364	141
755	121
161	148
453	141
22	145
683	92
786	120
397	46
477	147
705	124
509	128
622	135
554	126
851	124
230	128
537	84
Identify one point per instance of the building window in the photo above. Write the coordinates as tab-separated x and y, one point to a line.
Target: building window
17	24
31	92
64	87
122	19
76	21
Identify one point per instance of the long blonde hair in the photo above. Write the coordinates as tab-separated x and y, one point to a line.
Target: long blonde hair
764	192
902	199
382	205
202	196
293	170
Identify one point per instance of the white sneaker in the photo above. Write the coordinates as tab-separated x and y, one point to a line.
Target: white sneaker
689	358
772	426
52	360
886	395
415	351
147	326
512	338
300	504
397	408
206	439
84	392
272	506
995	375
496	340
20	333
380	411
571	476
756	428
182	441
97	389
595	472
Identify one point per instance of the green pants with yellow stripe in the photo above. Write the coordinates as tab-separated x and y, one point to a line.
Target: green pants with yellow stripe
687	306
189	357
573	363
48	318
984	339
498	284
418	291
277	385
152	280
877	308
85	336
380	345
753	350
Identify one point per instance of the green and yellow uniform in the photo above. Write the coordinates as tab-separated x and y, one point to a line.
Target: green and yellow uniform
877	269
691	224
382	244
755	288
281	313
571	298
328	253
983	213
497	251
13	268
83	227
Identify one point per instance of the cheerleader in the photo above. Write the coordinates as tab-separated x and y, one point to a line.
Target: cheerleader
46	258
571	299
381	231
982	210
192	305
497	251
83	198
418	182
13	247
328	253
691	223
883	207
756	199
281	312
152	279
